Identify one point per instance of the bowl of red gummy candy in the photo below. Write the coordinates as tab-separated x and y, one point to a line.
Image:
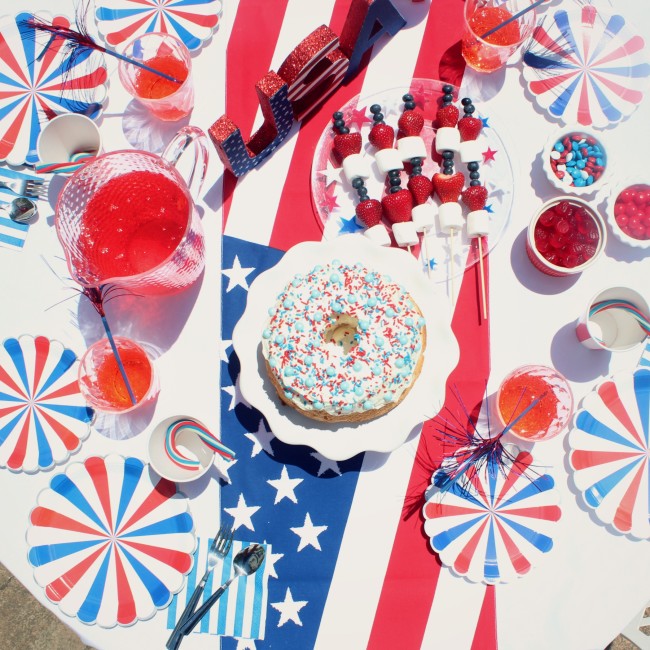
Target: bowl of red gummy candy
565	236
628	213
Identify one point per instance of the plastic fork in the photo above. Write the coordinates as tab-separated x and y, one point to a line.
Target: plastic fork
34	188
218	550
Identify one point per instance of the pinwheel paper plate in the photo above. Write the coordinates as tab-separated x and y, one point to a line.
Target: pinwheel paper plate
335	200
585	67
498	526
192	21
43	417
35	88
610	443
110	541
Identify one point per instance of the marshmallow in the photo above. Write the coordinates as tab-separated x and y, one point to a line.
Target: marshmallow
451	217
478	223
356	165
411	146
378	234
471	151
387	160
405	233
447	139
424	216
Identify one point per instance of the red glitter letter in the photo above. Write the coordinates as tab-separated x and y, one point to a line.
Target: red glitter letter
367	20
313	70
239	156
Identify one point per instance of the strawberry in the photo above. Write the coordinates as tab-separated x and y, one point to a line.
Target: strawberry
475	196
345	144
448	187
469	128
381	136
369	212
411	123
421	188
398	206
447	116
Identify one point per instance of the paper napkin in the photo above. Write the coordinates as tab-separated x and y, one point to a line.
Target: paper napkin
12	234
241	611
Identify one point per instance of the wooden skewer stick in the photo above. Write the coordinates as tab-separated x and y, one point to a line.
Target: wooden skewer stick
452	236
427	259
482	269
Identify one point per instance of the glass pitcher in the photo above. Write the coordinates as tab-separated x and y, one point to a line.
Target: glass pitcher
128	218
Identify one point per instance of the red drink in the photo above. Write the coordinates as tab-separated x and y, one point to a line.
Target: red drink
101	381
548	393
153	86
491	53
164	98
109	384
133	223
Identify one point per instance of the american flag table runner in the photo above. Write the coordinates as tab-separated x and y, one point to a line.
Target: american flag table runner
352	566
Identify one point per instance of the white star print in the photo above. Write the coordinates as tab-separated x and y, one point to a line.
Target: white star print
242	514
261	439
271	559
325	464
223	466
289	609
246	644
237	275
332	174
285	486
225	344
308	534
235	396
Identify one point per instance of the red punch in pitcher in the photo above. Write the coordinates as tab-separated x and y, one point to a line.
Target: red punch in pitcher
128	219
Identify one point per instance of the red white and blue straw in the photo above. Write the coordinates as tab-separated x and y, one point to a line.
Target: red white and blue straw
206	437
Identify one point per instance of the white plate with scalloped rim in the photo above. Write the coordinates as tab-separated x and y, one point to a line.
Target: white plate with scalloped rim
345	440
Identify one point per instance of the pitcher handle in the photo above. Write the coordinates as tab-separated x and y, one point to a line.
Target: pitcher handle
180	142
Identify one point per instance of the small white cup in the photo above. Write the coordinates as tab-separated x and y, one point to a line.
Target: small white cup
612	329
66	135
190	444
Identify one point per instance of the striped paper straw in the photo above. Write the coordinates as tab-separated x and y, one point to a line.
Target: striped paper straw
77	161
206	437
624	305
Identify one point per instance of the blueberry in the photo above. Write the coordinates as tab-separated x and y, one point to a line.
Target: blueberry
375	108
465	101
338	115
472	167
357	182
447	88
474	176
407	98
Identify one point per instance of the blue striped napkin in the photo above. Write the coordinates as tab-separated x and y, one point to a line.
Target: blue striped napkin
12	234
241	611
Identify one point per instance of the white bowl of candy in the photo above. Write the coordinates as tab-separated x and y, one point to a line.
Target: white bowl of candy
628	212
575	160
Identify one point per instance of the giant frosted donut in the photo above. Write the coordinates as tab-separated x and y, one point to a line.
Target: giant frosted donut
343	343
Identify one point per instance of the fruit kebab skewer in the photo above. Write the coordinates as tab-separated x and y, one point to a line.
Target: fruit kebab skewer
475	196
413	150
447	184
356	169
398	202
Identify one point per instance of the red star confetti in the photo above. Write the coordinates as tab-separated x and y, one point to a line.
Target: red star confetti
359	117
488	156
330	199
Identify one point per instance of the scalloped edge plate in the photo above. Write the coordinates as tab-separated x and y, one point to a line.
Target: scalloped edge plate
385	433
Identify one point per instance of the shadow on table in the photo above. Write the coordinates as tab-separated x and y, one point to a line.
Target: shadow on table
156	321
147	133
574	360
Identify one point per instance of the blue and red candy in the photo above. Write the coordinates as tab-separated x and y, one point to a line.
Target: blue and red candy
578	159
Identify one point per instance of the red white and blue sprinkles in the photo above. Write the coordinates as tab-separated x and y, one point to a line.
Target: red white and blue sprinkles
320	375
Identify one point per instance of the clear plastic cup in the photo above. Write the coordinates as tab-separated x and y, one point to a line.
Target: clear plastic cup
165	99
